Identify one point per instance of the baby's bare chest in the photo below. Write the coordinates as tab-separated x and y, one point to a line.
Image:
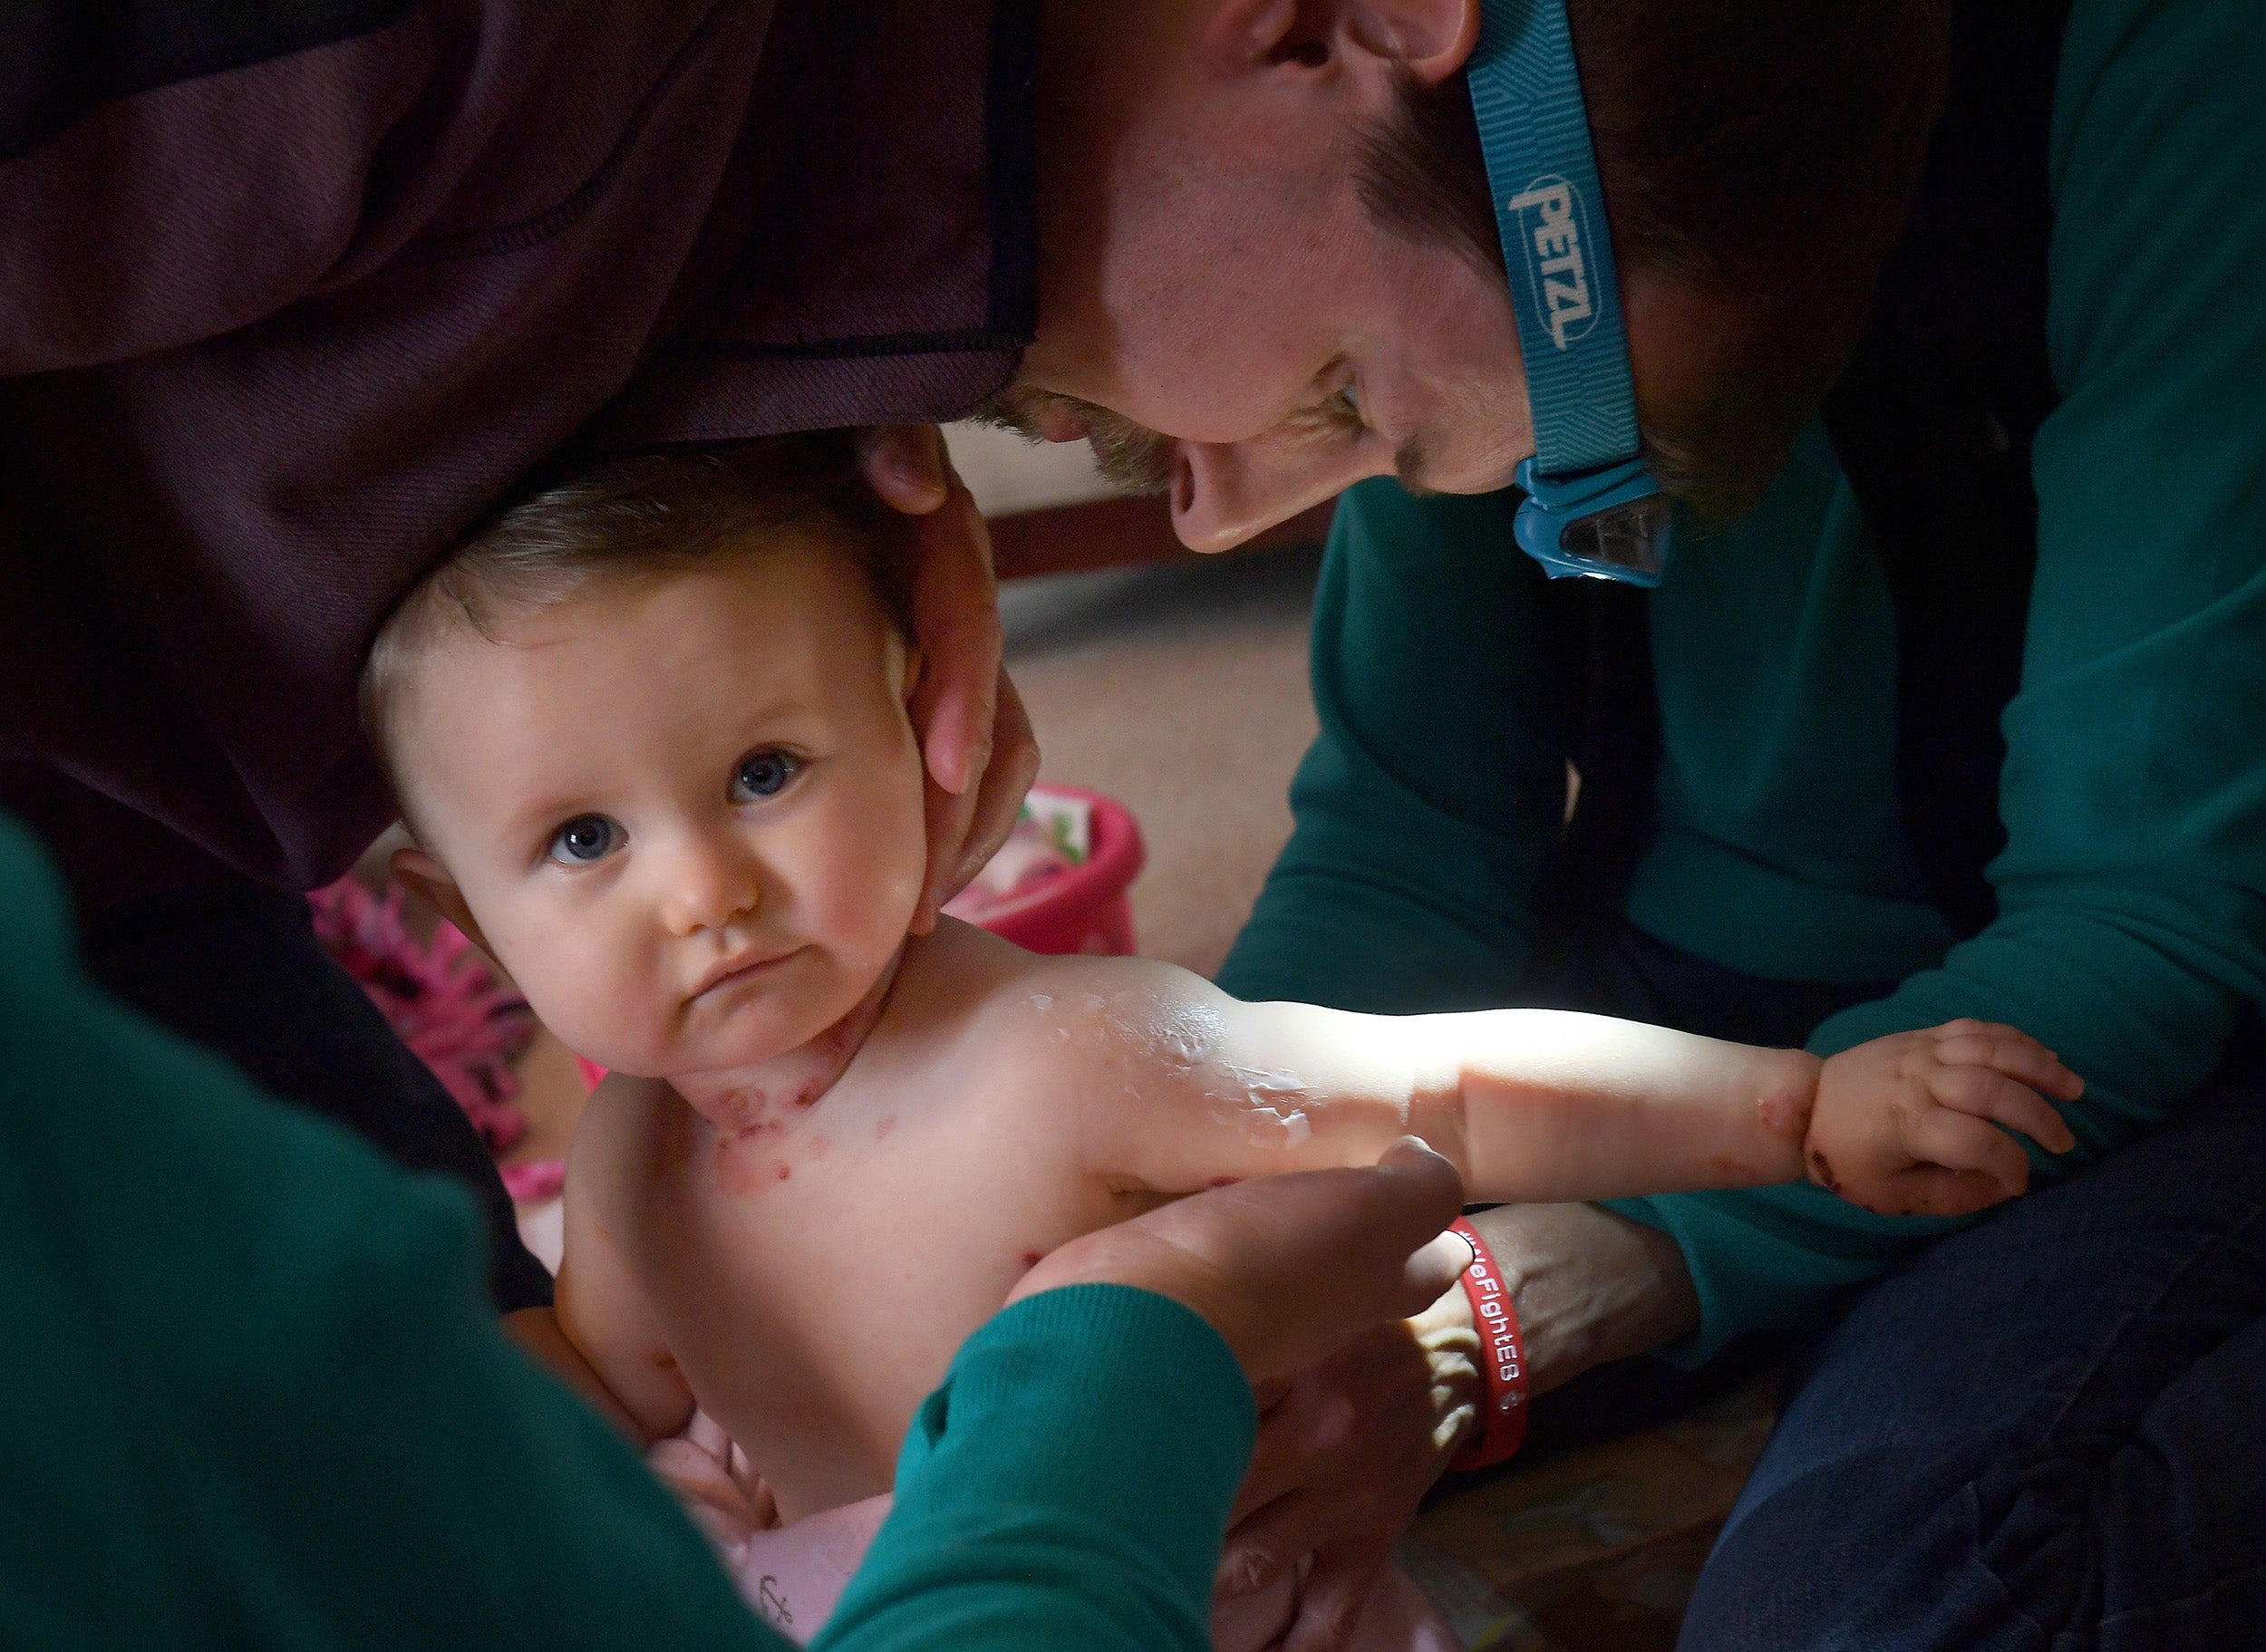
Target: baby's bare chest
816	1273
811	1210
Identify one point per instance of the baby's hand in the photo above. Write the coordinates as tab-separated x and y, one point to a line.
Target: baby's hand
1907	1126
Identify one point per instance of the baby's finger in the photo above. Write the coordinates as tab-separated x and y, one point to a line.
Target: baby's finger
1955	1141
1981	1093
2010	1051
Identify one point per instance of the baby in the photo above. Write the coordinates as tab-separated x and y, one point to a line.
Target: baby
650	734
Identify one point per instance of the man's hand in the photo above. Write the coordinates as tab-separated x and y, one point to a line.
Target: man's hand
1290	1271
1347	1449
974	733
1908	1125
1287	1269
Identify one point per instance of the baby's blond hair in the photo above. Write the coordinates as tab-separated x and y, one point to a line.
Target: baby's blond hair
633	517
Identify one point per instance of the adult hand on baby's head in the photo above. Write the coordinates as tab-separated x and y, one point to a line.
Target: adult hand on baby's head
974	734
1287	1269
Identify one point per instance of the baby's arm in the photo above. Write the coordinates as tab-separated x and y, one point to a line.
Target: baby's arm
1531	1105
602	1309
1906	1125
1903	1125
1554	1105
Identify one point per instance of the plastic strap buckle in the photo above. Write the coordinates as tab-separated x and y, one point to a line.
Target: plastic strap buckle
1612	523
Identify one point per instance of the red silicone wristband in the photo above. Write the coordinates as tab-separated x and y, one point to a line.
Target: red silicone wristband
1502	1360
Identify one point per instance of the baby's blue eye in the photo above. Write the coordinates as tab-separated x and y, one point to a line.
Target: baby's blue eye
764	774
585	838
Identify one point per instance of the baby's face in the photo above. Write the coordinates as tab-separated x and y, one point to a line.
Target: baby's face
686	815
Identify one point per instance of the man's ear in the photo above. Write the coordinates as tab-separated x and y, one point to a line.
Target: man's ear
430	879
1431	39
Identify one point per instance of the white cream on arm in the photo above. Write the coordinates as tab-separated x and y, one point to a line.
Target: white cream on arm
1531	1105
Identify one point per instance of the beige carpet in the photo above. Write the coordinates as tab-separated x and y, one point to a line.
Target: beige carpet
1180	690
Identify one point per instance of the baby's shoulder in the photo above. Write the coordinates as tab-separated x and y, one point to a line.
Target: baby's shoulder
1068	1014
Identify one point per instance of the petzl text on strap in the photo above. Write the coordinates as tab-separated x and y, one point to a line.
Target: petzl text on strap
1591	508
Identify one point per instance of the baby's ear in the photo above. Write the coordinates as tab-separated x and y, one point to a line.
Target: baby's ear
430	879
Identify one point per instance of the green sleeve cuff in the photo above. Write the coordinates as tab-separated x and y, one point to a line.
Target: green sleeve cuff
1767	1256
1067	1485
1764	1257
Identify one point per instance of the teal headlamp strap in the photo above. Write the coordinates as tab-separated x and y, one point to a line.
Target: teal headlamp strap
1591	506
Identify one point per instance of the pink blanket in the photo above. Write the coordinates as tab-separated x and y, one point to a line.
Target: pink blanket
794	1575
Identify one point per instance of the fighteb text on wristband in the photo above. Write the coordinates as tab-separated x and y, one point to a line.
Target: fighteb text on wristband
1502	1359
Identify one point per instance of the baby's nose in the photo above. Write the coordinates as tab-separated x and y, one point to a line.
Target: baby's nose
712	884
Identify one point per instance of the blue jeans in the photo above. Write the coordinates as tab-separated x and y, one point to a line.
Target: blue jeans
2046	1432
2049	1431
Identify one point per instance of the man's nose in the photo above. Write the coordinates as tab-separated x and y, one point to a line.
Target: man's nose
710	880
1223	493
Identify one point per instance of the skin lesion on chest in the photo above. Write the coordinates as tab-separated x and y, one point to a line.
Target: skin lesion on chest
758	1149
756	1129
768	1145
766	1156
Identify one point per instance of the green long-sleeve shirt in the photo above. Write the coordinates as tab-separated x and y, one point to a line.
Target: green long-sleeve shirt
2132	927
251	1396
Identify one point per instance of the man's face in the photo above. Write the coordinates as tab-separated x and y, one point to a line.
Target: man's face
1222	312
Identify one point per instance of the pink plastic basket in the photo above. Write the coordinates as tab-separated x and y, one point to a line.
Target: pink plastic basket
1086	908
